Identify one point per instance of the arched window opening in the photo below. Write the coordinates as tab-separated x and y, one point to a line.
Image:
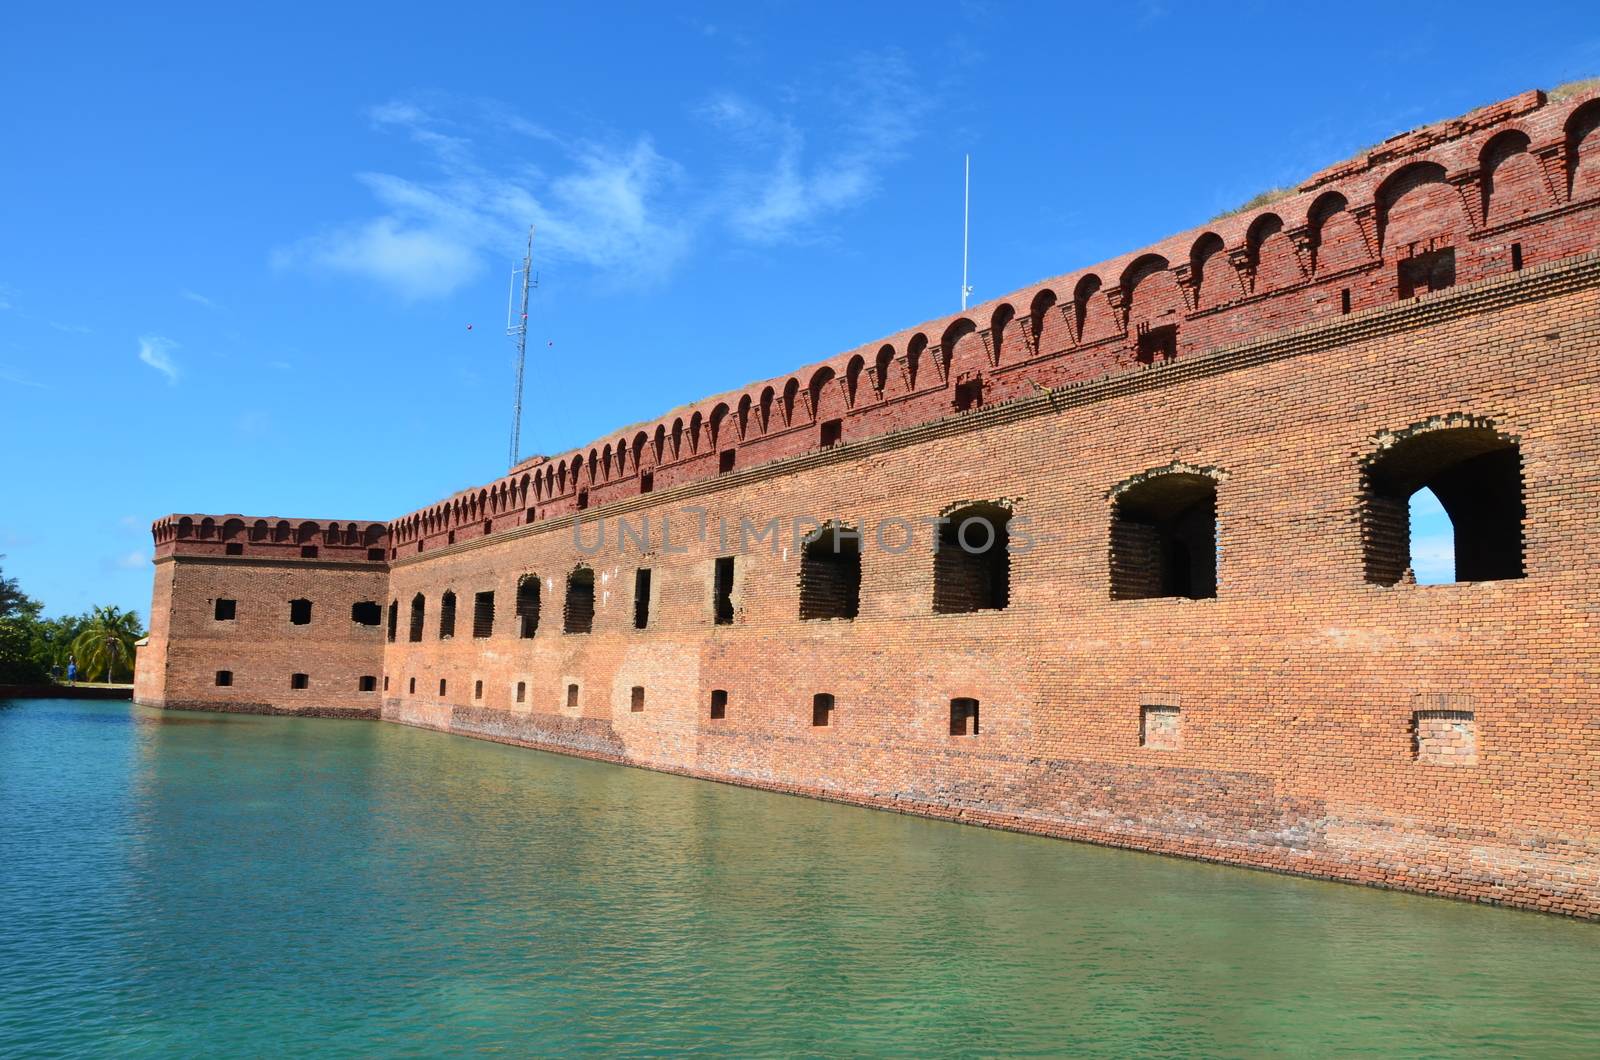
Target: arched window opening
527	606
1476	475
1164	538
447	615
578	616
394	619
1432	539
972	560
830	574
822	705
300	612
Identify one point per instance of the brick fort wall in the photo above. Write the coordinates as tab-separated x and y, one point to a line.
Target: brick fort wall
1121	558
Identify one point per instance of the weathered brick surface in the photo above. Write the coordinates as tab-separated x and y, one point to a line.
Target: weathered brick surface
260	647
1315	712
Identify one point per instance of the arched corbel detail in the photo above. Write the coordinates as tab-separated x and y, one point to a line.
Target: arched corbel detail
1189	284
1366	217
1120	300
1243	268
1552	158
1304	241
1469	185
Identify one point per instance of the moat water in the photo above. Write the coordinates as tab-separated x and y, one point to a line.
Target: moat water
188	884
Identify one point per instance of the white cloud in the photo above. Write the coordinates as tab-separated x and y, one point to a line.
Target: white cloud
873	116
617	206
157	353
431	236
133	560
197	298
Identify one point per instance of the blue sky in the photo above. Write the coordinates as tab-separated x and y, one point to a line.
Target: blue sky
239	249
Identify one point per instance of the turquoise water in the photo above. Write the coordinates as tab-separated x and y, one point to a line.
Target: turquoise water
185	884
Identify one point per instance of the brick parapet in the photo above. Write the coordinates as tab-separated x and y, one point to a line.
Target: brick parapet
1339	236
232	535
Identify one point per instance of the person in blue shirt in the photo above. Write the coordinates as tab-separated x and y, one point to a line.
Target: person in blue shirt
72	670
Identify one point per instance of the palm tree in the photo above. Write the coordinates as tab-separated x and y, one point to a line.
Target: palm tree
105	647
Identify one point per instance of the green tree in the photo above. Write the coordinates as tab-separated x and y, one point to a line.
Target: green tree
53	637
104	648
14	603
17	665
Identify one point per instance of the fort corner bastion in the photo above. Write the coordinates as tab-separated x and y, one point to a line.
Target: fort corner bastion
1169	608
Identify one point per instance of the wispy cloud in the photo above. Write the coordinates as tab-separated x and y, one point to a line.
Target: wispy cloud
157	353
873	113
617	206
6	296
71	329
601	207
133	560
11	375
197	298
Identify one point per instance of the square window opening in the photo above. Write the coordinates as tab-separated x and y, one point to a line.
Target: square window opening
963	717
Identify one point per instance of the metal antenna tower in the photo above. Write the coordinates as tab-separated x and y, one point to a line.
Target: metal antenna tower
966	210
517	328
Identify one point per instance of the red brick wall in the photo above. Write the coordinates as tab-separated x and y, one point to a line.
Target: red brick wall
1309	735
260	647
